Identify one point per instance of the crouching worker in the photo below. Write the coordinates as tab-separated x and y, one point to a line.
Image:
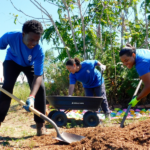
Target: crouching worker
140	58
24	55
91	78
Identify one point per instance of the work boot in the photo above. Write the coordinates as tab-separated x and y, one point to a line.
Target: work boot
41	130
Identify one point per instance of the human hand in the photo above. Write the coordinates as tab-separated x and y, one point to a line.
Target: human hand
133	102
29	103
103	67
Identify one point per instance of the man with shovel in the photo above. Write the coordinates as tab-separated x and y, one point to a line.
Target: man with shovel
24	55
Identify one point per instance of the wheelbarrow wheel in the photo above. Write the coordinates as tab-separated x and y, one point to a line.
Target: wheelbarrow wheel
86	114
51	113
91	119
59	118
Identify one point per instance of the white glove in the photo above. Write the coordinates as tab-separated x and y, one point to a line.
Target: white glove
103	67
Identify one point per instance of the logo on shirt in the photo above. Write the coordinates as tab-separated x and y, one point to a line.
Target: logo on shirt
88	71
29	58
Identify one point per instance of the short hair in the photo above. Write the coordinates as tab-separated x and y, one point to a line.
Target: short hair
70	62
128	50
32	26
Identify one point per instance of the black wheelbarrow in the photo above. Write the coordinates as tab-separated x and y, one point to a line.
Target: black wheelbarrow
68	103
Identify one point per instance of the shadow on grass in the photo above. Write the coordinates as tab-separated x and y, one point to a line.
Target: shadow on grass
15	107
4	141
71	123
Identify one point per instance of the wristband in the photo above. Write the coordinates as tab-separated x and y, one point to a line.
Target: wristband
32	96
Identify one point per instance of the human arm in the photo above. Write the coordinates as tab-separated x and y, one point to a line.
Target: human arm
146	90
98	63
34	89
143	69
5	40
71	88
103	67
72	81
36	84
37	80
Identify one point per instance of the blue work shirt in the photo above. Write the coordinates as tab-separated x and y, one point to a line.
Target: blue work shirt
20	53
88	75
142	61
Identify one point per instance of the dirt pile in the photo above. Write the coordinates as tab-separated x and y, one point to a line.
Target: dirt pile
135	136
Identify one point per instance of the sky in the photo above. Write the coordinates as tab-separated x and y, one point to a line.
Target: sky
7	19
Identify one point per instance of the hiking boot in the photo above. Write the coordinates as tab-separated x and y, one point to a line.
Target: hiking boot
41	130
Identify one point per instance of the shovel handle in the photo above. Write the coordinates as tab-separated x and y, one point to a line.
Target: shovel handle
34	111
127	111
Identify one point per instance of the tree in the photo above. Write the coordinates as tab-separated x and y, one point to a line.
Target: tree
97	29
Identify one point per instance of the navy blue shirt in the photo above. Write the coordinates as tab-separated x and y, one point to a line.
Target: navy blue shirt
20	53
88	75
142	61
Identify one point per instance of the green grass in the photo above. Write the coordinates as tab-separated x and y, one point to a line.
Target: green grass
21	91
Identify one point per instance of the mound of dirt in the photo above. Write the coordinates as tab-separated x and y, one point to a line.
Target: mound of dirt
134	136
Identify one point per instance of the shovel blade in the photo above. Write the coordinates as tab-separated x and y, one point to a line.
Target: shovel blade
69	137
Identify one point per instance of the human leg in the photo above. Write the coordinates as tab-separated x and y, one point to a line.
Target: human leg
88	91
11	70
40	100
100	91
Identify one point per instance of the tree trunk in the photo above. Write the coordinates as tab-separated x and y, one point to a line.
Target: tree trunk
83	29
64	1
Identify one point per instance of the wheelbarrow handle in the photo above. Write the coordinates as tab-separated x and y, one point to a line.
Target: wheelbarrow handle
128	109
34	111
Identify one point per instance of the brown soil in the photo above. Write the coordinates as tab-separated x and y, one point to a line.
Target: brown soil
135	136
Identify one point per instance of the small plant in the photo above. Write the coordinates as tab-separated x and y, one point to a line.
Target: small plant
143	118
81	125
68	126
50	126
31	144
52	108
73	123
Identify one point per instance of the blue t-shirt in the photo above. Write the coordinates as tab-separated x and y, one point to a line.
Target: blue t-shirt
142	61
88	75
20	53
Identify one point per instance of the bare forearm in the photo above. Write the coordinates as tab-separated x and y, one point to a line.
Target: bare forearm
71	89
98	64
144	92
36	84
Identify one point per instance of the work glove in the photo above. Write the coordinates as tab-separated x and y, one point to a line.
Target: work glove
29	103
103	67
134	101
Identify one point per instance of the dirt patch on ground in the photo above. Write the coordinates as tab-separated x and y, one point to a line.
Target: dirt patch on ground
135	136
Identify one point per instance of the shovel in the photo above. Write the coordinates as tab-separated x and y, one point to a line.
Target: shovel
65	137
126	114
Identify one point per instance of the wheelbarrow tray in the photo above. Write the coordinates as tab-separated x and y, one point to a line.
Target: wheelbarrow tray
75	102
